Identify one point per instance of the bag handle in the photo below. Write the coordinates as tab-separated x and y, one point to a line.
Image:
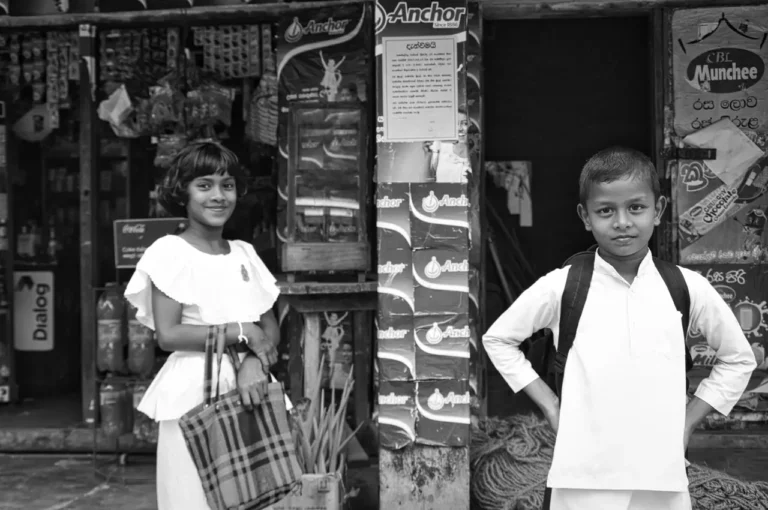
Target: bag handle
209	346
216	339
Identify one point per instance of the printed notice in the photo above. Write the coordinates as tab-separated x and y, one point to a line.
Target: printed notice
420	93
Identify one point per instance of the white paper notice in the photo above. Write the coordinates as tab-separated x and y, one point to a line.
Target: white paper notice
420	92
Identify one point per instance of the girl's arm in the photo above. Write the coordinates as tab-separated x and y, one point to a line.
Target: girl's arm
271	328
172	335
266	350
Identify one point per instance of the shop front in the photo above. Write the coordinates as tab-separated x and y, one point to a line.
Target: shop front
661	81
95	107
401	213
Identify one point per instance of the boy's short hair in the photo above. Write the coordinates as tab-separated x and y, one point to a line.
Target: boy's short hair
197	160
616	163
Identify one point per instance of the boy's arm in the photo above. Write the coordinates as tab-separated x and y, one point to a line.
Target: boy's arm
735	359
536	308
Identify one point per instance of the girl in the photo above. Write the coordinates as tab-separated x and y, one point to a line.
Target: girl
185	283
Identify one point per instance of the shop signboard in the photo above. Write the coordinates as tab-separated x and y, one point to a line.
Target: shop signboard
133	237
745	290
719	66
33	310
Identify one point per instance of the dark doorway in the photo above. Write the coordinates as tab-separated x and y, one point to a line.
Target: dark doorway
556	92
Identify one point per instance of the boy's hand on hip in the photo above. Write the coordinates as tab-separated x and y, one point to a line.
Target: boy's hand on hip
552	416
543	396
687	433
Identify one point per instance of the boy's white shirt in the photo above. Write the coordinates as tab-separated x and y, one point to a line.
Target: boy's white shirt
623	405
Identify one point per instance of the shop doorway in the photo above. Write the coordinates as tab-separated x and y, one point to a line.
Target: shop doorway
556	92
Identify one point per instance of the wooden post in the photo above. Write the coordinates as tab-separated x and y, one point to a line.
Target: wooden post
431	471
89	262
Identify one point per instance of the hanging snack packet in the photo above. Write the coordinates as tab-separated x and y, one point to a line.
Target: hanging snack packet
164	110
167	148
219	100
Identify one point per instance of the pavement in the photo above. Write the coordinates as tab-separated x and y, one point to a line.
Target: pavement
61	482
44	482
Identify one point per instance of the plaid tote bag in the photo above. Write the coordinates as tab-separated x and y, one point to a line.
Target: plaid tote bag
246	459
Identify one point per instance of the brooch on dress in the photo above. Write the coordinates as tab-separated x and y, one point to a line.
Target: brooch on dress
244	272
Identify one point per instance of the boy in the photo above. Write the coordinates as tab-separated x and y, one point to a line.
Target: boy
623	424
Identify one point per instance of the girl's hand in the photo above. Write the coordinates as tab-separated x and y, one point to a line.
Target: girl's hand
252	382
260	345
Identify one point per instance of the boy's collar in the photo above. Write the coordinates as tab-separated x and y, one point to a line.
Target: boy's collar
606	268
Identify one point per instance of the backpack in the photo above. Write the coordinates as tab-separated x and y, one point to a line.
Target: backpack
572	304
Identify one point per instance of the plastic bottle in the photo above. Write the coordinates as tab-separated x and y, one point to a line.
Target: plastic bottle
144	427
112	409
110	355
141	345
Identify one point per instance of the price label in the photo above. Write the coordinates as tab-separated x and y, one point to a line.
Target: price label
5	394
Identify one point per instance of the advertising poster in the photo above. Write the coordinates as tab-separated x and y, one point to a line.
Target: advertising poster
439	215
396	414
745	289
33	310
721	223
719	65
443	413
396	348
423	179
442	347
322	55
422	122
441	281
323	60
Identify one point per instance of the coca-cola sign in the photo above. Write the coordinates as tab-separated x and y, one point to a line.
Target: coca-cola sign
133	237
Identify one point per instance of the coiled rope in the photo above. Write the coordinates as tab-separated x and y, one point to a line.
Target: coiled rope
510	459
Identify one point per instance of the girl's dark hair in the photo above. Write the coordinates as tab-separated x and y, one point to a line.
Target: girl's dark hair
197	160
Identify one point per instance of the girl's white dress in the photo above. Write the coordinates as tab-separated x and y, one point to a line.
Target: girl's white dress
213	290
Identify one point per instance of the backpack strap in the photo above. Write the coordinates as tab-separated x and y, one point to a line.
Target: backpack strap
678	289
571	306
